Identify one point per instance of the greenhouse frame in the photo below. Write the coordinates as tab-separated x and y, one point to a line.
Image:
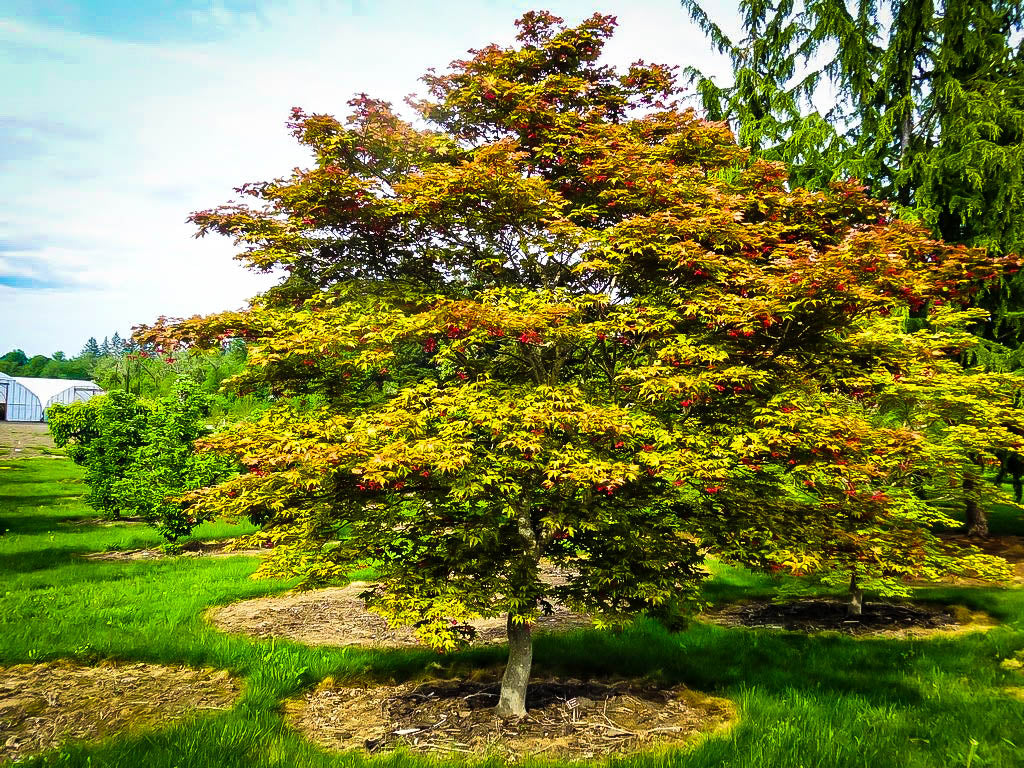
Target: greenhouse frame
23	398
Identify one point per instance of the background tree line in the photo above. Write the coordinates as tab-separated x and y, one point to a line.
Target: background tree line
118	364
94	357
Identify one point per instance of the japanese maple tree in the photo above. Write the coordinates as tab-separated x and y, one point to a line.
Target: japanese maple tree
569	322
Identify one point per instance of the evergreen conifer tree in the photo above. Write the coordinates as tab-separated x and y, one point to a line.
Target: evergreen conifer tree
91	348
928	110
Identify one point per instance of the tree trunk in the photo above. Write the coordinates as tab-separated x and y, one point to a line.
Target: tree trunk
517	674
977	520
856	604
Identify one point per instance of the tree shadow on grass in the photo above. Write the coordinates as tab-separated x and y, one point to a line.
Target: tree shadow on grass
1005	520
22	524
709	658
34	560
15	475
718	659
26	514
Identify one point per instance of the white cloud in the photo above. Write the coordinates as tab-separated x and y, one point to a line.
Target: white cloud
126	139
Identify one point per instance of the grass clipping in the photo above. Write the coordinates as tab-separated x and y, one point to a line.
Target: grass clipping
44	705
568	719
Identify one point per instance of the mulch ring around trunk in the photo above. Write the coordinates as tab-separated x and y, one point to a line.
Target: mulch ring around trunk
338	616
221	548
568	719
878	618
43	705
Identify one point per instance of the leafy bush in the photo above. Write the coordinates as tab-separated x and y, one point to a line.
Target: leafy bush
138	454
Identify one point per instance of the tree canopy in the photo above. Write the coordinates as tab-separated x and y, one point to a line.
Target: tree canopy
570	323
922	100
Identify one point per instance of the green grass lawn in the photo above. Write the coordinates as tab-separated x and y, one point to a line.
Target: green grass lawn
803	701
1004	519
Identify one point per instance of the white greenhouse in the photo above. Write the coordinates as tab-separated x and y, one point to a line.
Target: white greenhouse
26	399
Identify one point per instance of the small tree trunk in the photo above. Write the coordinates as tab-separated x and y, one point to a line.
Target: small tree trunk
977	520
856	605
517	674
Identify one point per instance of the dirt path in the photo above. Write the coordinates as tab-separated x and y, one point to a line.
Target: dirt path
24	440
215	548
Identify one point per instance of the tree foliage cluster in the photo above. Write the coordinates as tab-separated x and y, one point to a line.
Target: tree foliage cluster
139	456
569	322
146	373
923	100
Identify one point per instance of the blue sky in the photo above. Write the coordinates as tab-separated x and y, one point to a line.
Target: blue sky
120	117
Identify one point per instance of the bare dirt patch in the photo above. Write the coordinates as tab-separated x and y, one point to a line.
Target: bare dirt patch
43	705
568	719
878	618
338	616
24	440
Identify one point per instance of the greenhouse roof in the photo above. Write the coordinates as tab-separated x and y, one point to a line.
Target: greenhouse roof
44	389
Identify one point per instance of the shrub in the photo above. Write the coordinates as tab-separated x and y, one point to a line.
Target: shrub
138	454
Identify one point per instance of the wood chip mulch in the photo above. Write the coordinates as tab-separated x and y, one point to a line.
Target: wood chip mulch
44	705
568	719
878	618
338	616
